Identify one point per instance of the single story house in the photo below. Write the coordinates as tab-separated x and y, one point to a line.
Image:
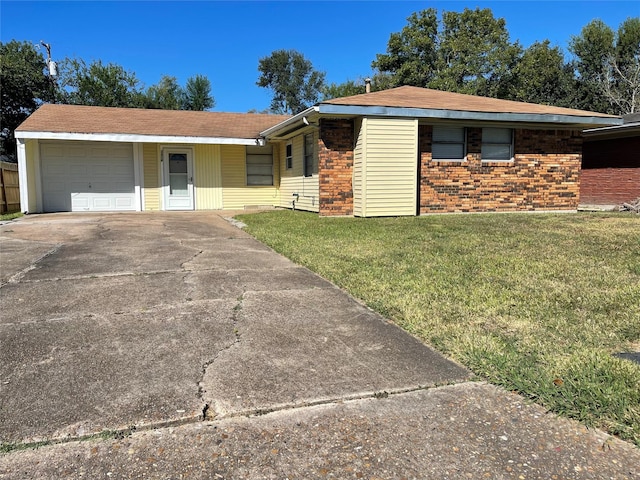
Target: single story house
611	164
403	151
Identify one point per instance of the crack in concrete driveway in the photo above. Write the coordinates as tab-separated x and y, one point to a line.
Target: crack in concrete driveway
147	306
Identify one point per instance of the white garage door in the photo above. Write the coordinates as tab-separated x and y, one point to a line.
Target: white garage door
87	176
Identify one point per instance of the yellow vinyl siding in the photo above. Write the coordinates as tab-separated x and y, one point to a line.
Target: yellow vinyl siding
358	160
235	192
151	174
207	177
293	180
389	171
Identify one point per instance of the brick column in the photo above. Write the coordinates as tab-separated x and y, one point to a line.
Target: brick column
335	167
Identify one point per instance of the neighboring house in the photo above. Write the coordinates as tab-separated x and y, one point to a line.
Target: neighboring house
611	164
404	151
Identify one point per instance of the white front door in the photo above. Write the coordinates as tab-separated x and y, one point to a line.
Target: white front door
178	178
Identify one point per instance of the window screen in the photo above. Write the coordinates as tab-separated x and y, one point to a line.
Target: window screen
497	144
289	157
308	155
260	165
448	143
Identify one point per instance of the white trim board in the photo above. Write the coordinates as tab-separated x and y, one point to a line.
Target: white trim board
126	137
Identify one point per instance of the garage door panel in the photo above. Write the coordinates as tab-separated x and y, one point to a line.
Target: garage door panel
79	171
100	169
102	152
77	187
87	177
79	202
59	202
51	151
124	203
56	187
122	170
74	151
101	203
106	187
55	170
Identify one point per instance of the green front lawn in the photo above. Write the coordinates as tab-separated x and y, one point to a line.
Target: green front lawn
537	303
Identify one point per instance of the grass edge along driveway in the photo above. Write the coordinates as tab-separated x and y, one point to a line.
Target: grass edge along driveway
536	303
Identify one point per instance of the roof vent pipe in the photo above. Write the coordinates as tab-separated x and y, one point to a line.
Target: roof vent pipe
367	85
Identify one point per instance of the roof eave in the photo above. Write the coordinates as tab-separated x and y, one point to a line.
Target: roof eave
293	122
608	129
573	120
134	138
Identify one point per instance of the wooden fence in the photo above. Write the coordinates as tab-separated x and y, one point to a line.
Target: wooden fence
9	188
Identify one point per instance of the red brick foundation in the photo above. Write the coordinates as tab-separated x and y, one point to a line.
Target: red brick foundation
335	167
543	176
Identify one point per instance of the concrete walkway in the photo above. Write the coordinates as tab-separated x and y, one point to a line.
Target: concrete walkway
164	345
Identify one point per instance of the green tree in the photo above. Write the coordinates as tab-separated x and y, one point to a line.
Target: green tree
355	87
166	94
628	42
607	64
467	52
197	94
345	89
475	55
591	49
99	85
24	86
620	81
542	76
412	53
294	82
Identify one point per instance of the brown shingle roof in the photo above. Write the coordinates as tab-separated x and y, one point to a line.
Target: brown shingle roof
137	121
416	97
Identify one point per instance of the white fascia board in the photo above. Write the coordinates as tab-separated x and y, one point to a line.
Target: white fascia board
465	115
625	127
126	137
289	121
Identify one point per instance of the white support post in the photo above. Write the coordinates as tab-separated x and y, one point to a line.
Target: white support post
138	175
22	175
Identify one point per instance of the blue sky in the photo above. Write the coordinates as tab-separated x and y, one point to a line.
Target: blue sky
225	40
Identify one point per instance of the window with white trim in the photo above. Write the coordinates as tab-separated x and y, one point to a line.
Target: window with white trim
497	144
260	165
448	143
289	156
308	155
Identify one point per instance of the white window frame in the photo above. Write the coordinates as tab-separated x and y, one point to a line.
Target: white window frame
266	151
288	156
451	142
510	144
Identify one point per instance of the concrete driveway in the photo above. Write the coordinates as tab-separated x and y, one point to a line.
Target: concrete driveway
191	348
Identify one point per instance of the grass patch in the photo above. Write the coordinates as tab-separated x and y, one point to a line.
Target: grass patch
534	303
10	216
103	435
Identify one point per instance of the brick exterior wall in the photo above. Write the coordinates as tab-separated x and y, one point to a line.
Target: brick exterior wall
610	171
543	176
609	186
335	167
